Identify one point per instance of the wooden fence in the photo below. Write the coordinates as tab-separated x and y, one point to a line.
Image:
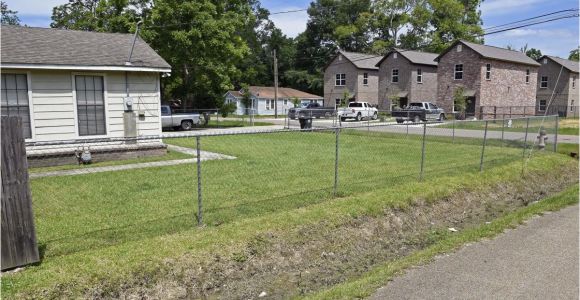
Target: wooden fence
19	245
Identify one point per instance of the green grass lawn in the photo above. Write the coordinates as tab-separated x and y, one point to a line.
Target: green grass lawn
111	226
171	155
565	126
225	123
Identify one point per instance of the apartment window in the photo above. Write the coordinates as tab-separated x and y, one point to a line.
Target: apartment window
458	72
337	101
365	78
340	80
459	48
542	105
544	82
90	94
488	72
527	75
419	76
15	100
545	61
395	75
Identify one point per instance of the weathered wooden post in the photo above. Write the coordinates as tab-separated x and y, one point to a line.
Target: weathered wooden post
19	245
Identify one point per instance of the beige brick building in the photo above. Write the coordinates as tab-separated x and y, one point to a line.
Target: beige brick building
353	73
557	78
492	78
407	76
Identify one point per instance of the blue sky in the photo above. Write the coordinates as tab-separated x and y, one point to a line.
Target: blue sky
556	38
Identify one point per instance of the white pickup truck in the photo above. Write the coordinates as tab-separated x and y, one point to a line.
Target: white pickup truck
358	111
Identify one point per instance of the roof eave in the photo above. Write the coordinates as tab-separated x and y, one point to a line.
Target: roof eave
84	68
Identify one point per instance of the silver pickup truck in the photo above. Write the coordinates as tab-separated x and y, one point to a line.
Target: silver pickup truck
184	121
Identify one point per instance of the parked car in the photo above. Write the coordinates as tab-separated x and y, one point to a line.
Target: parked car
311	110
184	121
419	111
358	111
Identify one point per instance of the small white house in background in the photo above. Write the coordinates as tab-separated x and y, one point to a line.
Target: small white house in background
263	99
72	85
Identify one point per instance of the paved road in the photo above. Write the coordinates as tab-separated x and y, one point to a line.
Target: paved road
538	260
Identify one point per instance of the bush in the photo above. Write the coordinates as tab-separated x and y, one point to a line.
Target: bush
227	109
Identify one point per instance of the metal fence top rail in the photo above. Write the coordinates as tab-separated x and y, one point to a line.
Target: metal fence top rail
222	132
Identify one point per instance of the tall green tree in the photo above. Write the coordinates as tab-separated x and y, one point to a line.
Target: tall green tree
9	17
574	55
533	53
452	20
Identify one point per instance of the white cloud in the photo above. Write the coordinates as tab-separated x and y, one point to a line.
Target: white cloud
291	24
552	33
499	7
34	7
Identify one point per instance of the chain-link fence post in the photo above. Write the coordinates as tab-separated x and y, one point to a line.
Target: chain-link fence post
335	189
502	129
218	118
199	198
453	135
483	148
526	137
556	135
423	152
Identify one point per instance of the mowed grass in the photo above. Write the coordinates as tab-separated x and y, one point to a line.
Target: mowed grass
565	126
109	226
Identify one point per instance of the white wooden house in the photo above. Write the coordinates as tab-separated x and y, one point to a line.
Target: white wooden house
263	100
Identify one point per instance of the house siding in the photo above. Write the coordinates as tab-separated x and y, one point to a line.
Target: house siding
53	104
563	93
507	86
354	80
424	91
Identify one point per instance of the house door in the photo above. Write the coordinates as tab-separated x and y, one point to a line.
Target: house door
403	102
470	107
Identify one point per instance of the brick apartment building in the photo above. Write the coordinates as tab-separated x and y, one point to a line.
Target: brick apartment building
491	77
355	73
407	76
557	77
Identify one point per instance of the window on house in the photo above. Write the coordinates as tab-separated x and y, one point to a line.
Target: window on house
527	75
15	100
365	78
337	101
542	105
90	105
285	102
419	76
544	82
488	72
394	55
395	75
340	80
458	74
545	61
459	48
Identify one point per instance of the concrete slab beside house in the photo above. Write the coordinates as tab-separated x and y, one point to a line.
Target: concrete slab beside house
557	78
491	77
263	99
407	76
352	73
71	85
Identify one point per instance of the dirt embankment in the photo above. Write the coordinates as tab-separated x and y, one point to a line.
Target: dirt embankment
283	265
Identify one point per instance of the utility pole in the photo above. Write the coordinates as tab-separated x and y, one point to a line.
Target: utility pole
275	85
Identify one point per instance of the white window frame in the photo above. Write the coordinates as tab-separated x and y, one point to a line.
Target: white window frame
419	75
75	104
393	76
269	104
455	72
527	76
285	102
30	102
365	78
488	72
542	82
540	106
340	79
459	47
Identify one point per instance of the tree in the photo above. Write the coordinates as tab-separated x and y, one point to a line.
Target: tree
574	55
534	54
9	17
452	20
460	102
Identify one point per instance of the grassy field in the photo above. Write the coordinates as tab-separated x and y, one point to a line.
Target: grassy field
565	126
226	123
171	155
106	228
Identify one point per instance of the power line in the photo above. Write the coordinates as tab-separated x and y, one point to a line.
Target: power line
532	18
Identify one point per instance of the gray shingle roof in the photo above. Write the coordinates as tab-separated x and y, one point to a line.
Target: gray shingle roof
571	65
48	46
415	57
499	53
361	60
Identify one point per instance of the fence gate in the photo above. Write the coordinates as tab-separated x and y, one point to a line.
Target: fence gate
18	234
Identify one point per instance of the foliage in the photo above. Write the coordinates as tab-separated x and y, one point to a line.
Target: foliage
534	53
395	101
9	17
295	101
246	98
227	109
574	55
460	101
